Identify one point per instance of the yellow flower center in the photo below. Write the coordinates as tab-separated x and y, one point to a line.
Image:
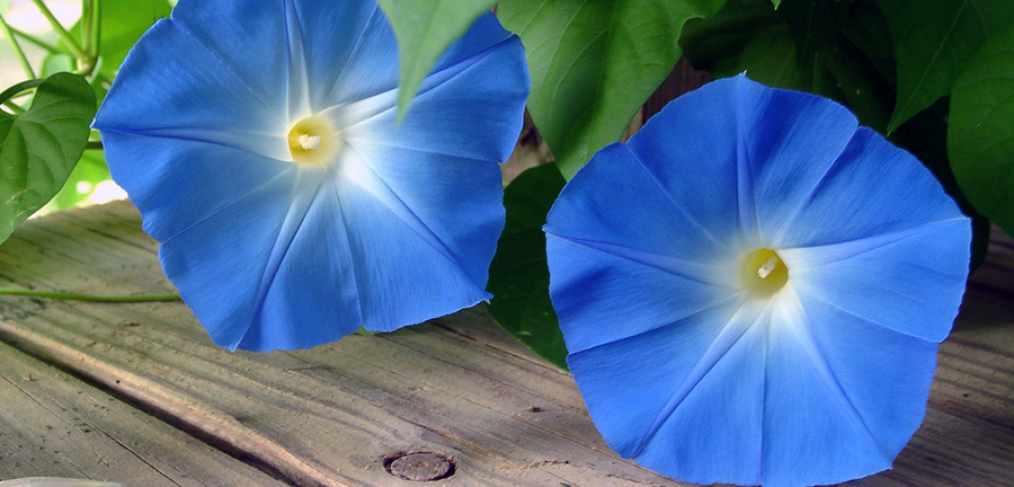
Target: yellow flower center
314	141
763	273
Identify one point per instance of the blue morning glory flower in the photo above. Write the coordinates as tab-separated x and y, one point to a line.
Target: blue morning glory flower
259	141
753	289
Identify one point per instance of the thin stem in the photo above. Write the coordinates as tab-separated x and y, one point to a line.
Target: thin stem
91	298
14	107
36	41
62	33
95	30
16	47
16	90
86	26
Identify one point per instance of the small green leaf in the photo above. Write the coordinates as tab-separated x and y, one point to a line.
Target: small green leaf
934	40
89	172
980	135
425	29
39	148
519	274
776	3
57	62
593	63
123	23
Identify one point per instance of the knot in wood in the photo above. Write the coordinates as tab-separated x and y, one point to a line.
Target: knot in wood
419	466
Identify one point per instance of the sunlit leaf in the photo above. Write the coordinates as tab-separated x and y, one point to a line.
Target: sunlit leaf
934	40
39	148
425	28
980	135
593	63
519	274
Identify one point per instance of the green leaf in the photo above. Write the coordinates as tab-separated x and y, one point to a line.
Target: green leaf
934	40
123	23
980	135
39	148
425	29
593	63
519	274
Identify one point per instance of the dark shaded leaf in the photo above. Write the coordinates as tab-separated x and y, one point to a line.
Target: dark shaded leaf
934	41
519	274
980	135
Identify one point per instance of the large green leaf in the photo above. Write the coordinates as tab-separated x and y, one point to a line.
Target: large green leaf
594	62
980	134
39	148
123	22
519	274
425	29
934	40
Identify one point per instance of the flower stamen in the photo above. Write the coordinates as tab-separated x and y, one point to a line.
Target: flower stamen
313	141
763	273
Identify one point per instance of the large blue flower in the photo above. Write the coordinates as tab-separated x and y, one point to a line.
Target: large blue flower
753	289
259	140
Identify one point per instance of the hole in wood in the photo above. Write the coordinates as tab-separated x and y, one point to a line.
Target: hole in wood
419	466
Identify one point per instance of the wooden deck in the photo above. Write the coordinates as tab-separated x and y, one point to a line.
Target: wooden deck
136	393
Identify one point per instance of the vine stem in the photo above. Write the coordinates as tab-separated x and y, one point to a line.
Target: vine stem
35	40
62	33
143	298
17	89
16	47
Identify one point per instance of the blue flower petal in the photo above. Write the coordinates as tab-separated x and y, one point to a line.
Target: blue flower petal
187	174
433	274
818	380
313	248
264	51
700	384
874	388
493	82
895	187
173	87
219	264
918	276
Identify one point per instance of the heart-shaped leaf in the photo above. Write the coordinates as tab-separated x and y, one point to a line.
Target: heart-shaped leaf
39	148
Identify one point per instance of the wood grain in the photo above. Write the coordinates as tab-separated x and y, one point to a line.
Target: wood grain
164	406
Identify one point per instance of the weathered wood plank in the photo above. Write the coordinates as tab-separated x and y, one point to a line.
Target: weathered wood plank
52	424
458	387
